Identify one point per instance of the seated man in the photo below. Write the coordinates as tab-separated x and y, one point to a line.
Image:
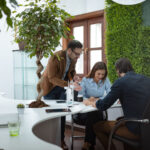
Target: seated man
133	91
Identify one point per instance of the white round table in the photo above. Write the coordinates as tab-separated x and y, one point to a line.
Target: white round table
38	130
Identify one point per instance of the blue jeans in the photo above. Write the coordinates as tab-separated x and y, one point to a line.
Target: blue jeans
58	93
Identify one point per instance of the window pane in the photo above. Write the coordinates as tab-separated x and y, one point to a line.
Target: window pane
18	92
96	55
96	35
30	76
78	33
30	92
79	65
17	58
18	76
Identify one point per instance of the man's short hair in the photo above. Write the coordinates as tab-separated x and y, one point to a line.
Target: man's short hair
123	65
74	44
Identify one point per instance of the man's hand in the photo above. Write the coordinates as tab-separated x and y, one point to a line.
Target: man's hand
118	102
76	79
77	87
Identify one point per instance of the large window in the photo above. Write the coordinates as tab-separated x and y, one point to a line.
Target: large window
89	30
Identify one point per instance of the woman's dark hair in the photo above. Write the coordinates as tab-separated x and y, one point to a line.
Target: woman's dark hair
74	44
98	66
123	65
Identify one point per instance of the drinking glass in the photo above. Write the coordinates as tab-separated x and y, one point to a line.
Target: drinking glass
14	125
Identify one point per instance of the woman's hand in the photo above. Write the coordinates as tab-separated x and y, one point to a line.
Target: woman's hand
88	102
93	99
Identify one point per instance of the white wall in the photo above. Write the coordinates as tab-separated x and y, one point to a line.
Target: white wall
6	59
74	7
93	5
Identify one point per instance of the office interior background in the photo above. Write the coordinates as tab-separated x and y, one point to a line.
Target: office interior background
18	72
11	62
18	77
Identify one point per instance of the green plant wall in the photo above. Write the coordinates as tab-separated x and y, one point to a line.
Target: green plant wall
125	37
143	48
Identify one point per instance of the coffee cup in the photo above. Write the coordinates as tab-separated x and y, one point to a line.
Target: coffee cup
80	98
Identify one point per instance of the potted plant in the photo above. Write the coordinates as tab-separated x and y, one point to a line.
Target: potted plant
40	26
20	108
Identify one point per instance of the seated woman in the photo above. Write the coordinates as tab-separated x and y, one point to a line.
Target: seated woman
94	86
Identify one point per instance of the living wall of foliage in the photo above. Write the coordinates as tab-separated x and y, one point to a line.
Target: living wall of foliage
143	47
126	37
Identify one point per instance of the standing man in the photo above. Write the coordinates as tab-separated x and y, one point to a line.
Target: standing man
133	92
61	69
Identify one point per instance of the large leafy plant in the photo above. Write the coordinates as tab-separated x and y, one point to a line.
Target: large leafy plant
40	26
5	10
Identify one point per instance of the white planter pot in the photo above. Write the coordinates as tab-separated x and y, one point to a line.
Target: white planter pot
20	110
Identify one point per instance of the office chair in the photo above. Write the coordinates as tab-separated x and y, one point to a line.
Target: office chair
143	143
76	120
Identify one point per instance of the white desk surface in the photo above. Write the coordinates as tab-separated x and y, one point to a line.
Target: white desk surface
31	117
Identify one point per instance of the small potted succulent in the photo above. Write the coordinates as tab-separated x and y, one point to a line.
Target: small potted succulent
20	108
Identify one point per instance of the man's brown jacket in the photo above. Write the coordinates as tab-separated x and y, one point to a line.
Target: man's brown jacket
54	72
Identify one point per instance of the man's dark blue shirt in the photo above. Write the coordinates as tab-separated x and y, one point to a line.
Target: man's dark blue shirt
133	91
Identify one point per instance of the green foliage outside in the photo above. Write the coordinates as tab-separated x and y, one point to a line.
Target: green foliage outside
41	26
125	37
5	10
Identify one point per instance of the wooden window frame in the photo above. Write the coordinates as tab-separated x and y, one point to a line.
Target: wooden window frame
81	18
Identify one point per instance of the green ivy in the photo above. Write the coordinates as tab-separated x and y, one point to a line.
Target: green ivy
125	37
143	48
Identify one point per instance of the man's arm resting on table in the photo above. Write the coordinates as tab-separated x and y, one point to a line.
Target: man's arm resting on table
91	101
109	99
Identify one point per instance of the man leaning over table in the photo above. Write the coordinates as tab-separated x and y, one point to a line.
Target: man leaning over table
57	74
133	91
